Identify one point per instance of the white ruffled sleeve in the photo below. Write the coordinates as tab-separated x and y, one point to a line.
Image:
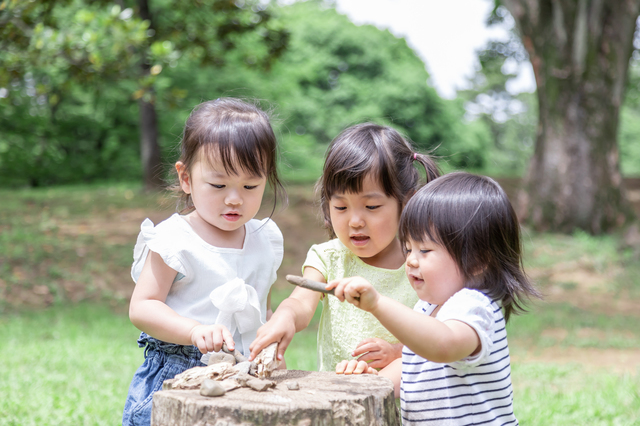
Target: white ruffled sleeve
473	308
277	244
159	240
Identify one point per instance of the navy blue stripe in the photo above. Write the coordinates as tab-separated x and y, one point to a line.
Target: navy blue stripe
459	386
499	340
465	415
500	350
447	365
454	376
473	404
495	362
456	396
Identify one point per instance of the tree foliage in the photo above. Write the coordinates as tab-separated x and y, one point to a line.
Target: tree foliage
71	89
72	74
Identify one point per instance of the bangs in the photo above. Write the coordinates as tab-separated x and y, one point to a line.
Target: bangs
238	148
423	220
348	166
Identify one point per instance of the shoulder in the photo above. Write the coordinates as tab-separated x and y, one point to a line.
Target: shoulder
170	229
266	228
469	305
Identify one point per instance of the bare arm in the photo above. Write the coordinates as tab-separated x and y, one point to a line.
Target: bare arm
149	312
426	336
292	315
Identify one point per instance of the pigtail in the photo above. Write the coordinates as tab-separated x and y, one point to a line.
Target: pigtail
431	169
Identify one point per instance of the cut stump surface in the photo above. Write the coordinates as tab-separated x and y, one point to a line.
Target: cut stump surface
323	398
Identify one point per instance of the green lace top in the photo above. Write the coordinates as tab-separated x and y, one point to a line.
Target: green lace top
343	326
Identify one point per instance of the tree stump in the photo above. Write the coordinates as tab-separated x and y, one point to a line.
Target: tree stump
323	398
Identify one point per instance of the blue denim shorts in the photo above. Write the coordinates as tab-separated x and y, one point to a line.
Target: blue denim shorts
162	361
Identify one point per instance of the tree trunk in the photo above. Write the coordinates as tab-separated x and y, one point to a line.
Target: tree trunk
580	52
149	148
323	399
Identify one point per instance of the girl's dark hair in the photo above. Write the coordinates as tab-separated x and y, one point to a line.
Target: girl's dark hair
236	132
369	149
472	218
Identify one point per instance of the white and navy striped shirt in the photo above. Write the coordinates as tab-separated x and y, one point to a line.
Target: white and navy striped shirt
473	391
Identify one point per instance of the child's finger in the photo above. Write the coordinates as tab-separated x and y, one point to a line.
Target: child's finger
351	366
215	340
228	339
340	367
201	344
361	367
365	346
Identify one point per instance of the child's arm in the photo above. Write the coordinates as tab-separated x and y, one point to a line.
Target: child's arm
292	315
428	337
149	312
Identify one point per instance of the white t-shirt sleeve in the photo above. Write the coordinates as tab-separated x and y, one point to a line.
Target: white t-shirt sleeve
277	244
474	309
159	239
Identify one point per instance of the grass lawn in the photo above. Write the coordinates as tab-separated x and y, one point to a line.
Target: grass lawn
68	351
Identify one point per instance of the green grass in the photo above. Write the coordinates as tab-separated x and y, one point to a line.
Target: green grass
573	395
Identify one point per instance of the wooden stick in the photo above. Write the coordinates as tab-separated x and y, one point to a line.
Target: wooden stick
309	284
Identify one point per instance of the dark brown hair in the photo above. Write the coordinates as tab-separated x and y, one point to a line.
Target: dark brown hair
239	134
472	218
369	149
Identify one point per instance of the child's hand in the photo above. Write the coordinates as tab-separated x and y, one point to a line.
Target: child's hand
357	291
377	352
209	338
355	367
277	329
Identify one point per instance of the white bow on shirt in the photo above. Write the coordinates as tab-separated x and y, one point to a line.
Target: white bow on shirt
239	308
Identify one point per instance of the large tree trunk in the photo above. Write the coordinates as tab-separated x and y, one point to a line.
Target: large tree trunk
580	52
149	148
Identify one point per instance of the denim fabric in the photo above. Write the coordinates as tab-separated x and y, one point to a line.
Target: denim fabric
162	361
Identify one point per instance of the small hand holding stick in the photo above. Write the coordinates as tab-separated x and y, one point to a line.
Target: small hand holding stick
308	284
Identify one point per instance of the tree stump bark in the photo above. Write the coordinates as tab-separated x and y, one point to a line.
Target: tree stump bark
324	398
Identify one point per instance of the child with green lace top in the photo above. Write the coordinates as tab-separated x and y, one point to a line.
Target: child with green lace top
368	177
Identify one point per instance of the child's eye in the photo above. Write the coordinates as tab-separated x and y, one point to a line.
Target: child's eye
424	251
250	187
372	207
339	208
217	186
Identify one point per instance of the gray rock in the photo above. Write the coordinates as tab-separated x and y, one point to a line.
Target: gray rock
293	385
211	388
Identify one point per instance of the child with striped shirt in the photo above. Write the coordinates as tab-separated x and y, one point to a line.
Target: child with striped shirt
462	241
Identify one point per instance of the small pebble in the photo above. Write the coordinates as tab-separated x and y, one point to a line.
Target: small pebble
293	386
211	388
260	385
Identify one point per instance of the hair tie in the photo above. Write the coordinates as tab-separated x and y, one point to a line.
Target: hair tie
415	156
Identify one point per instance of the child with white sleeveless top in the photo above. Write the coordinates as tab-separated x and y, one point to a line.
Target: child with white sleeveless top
462	241
203	278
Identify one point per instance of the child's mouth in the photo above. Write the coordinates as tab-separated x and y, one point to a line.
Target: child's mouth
359	240
232	217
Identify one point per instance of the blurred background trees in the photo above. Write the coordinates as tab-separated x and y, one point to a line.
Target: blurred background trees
100	90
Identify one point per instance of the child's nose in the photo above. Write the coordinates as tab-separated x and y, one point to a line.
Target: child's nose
356	221
233	198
